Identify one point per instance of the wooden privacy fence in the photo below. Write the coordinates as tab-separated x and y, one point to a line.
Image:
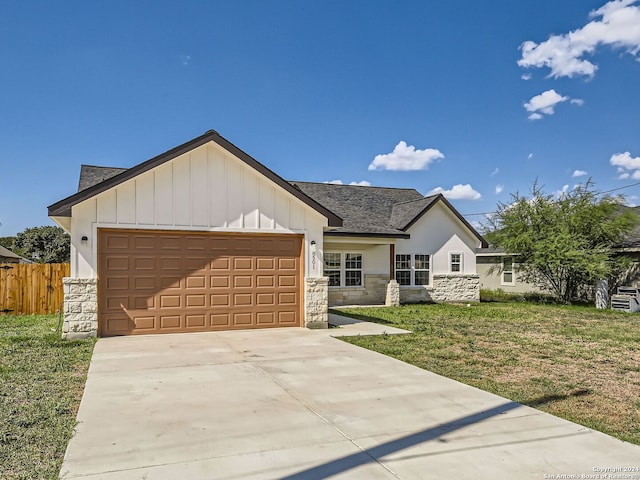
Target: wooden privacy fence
32	288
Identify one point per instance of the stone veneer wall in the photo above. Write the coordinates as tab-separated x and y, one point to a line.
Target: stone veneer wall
373	293
316	293
445	288
80	308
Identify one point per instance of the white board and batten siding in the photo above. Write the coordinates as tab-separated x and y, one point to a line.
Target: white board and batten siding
439	233
206	189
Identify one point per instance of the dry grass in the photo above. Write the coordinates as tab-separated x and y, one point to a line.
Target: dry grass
577	363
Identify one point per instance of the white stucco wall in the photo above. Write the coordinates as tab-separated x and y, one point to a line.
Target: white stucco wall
438	233
206	189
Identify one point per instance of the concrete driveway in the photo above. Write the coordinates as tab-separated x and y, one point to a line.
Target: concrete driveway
299	404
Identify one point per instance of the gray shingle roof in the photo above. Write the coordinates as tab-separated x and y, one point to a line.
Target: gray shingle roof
403	214
368	210
91	175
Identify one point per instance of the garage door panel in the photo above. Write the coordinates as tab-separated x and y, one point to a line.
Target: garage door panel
242	263
220	263
170	301
171	242
266	318
220	281
286	264
243	281
242	299
143	302
195	321
115	263
242	319
265	281
267	264
287	318
196	282
144	242
118	283
265	299
144	283
169	322
217	320
154	282
220	300
195	300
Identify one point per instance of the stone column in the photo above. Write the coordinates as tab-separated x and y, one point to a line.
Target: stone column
316	302
602	295
393	294
80	308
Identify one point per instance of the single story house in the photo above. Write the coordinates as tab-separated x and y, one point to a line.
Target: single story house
7	256
204	237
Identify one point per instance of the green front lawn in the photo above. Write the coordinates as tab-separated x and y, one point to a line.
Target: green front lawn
42	378
578	363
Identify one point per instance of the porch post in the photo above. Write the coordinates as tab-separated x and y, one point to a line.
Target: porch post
392	261
393	289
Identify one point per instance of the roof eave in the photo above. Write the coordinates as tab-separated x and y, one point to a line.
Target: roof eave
366	234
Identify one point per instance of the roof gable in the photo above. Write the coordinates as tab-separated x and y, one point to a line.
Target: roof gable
63	207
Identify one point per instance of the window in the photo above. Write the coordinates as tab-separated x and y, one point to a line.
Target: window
455	262
421	274
507	271
353	269
332	268
403	269
343	269
412	269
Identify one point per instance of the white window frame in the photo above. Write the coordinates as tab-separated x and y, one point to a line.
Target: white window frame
343	268
460	262
412	269
416	270
505	271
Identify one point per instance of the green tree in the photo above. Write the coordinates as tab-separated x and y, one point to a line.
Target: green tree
7	242
44	244
565	244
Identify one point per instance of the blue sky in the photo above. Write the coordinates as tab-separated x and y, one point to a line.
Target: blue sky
473	99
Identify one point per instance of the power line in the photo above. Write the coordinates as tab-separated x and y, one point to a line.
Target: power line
600	193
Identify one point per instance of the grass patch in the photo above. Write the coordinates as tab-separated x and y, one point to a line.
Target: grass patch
42	378
575	362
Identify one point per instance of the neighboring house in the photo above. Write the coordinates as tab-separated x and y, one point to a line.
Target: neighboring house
7	256
204	237
498	270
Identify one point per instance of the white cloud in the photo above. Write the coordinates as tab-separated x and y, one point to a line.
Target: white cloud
406	157
185	59
563	192
526	76
495	172
530	156
499	188
544	103
458	192
362	183
627	166
577	101
578	173
616	24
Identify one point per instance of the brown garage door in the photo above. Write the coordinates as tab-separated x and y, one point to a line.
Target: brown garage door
170	282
